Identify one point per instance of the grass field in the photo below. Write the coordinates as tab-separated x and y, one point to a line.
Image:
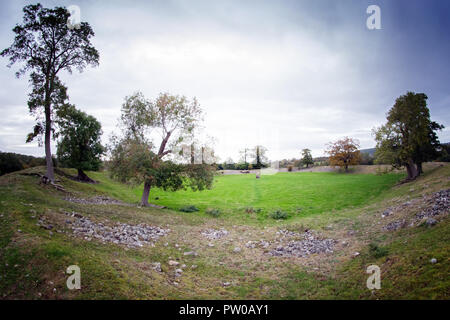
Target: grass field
346	208
299	194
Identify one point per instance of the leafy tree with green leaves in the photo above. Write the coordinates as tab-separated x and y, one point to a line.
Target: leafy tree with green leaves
136	159
45	45
79	146
307	157
409	137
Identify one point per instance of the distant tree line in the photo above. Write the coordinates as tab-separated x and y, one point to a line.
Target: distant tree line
10	162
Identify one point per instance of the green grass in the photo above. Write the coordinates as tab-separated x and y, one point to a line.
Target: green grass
298	194
33	261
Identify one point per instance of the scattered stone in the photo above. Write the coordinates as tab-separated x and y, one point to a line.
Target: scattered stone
120	233
194	266
183	266
433	260
95	200
210	244
237	250
213	234
395	225
157	266
310	244
190	253
355	254
431	222
226	284
173	263
387	213
438	203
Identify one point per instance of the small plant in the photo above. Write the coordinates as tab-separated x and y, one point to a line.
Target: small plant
213	212
377	251
290	168
279	215
249	210
189	208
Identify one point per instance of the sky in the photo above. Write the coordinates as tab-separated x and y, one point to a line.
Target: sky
287	75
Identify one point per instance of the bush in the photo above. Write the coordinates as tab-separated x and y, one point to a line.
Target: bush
279	215
189	208
213	212
290	167
376	251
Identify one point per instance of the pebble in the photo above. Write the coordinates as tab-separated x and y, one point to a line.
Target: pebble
433	260
236	250
190	253
173	263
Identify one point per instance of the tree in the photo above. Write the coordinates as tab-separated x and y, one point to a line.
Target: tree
307	157
45	45
245	154
135	158
409	137
344	153
79	146
259	157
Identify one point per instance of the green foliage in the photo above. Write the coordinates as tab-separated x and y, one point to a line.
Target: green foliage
377	251
79	145
307	158
213	212
189	208
279	215
259	157
409	137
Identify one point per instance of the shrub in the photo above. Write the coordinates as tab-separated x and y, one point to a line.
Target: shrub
376	251
278	215
189	208
213	212
249	210
290	167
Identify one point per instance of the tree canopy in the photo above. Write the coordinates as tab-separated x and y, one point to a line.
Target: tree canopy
344	153
136	158
79	145
307	158
409	136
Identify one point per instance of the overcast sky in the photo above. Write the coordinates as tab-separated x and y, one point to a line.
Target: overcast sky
284	74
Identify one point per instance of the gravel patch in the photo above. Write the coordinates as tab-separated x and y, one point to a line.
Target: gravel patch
439	203
213	234
301	248
95	200
120	233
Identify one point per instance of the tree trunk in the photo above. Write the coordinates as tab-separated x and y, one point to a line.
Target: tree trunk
48	153
419	168
83	177
411	170
145	194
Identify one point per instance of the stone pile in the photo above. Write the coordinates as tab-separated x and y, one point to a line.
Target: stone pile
121	233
